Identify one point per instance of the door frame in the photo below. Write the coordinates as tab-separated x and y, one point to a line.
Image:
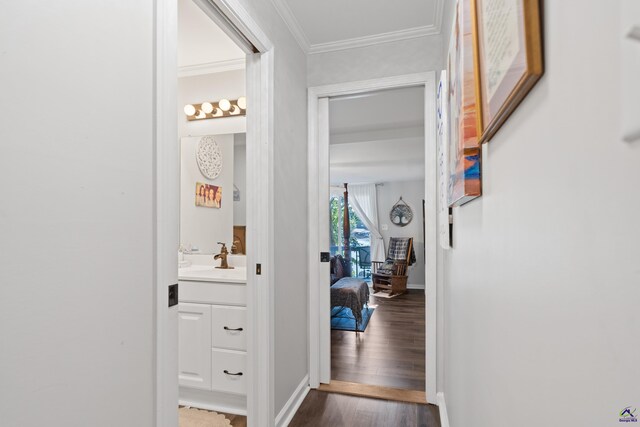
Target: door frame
260	137
318	182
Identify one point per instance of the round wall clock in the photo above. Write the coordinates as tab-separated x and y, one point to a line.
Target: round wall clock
401	213
209	157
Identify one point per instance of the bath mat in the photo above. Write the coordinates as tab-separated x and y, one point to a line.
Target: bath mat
192	417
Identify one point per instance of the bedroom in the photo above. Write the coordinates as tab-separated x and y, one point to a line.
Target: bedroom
376	170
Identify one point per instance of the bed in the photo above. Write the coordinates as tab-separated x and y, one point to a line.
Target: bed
351	293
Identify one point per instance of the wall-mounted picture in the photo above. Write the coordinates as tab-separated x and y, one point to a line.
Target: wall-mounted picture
208	196
464	144
442	140
510	60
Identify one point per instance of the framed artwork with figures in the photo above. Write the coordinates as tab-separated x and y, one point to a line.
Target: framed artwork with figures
208	196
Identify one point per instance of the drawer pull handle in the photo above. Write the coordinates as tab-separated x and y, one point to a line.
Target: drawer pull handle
236	374
226	328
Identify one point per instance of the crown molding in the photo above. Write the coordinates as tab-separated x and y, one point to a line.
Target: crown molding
212	67
292	23
393	36
299	35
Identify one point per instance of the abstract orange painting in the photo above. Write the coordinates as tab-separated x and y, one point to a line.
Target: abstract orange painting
464	149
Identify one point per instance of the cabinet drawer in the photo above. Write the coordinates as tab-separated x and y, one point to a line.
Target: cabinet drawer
225	322
233	362
213	293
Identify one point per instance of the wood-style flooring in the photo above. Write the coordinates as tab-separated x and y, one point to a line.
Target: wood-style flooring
323	409
237	420
391	351
375	391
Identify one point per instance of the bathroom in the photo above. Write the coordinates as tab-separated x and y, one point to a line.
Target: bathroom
212	314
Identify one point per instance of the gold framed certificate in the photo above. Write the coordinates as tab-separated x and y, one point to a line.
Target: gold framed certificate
509	45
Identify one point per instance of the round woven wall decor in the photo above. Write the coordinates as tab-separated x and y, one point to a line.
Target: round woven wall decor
209	157
401	213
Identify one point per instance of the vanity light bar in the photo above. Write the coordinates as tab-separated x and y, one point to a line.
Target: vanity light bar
215	110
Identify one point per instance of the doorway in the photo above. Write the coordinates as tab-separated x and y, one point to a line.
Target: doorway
319	192
377	166
237	24
212	371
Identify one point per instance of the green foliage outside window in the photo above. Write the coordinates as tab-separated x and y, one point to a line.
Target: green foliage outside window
335	218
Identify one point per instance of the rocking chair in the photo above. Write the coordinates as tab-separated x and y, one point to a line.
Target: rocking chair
392	274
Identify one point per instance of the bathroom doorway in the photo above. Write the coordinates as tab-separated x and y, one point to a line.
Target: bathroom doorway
208	150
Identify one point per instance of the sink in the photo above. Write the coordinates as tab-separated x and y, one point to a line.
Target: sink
208	273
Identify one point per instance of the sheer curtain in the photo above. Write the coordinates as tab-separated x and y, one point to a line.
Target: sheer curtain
363	200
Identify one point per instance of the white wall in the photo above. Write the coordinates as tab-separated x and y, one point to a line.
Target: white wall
211	87
370	62
240	178
542	288
200	226
448	11
412	193
290	180
76	207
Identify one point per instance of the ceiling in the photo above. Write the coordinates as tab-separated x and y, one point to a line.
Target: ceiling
386	109
318	26
322	26
202	44
377	137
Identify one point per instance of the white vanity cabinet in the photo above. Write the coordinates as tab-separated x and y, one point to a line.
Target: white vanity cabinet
212	318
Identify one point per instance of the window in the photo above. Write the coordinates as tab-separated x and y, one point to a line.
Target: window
359	240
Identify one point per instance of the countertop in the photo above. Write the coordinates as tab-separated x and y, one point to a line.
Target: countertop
207	273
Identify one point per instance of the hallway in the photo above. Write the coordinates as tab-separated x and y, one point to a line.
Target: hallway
529	222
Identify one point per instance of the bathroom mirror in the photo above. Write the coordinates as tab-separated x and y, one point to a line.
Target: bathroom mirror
213	210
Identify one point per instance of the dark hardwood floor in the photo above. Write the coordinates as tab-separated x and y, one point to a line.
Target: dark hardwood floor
391	351
338	410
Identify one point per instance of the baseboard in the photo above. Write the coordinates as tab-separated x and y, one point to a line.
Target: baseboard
442	406
291	407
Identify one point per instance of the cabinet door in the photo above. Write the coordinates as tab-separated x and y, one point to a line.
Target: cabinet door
194	350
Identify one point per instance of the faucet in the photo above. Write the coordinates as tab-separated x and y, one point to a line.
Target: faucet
223	256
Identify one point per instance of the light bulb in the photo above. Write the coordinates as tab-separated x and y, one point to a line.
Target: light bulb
242	102
235	110
201	115
207	107
224	104
189	110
